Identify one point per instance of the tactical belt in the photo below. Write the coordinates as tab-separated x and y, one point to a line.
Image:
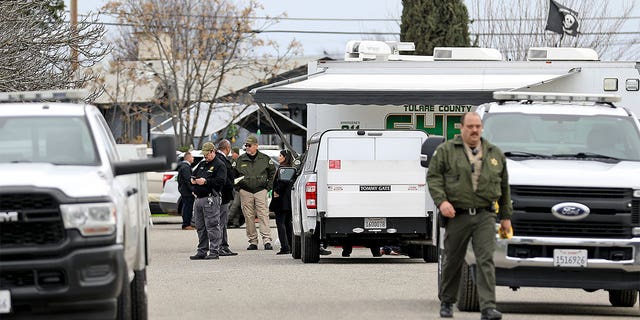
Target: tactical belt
213	194
473	211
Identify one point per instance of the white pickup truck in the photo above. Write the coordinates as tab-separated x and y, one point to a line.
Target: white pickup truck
574	168
74	217
363	188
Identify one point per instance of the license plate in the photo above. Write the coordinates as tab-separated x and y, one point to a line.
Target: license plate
375	223
569	258
5	301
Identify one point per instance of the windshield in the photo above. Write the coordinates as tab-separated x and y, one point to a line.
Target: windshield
555	135
57	140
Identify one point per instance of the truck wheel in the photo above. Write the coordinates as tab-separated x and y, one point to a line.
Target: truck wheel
124	299
295	247
623	298
310	245
375	251
139	295
414	251
429	253
467	292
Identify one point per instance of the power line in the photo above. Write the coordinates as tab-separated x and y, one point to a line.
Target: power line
376	33
376	19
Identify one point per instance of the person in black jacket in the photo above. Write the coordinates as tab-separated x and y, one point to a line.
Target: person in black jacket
281	204
186	190
208	180
224	147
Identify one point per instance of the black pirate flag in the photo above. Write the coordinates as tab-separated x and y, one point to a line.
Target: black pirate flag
562	20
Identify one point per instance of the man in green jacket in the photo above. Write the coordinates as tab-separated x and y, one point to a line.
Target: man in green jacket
468	182
255	171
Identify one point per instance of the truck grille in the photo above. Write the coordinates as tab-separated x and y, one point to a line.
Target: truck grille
613	212
39	221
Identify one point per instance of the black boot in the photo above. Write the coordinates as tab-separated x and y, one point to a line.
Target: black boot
446	310
491	314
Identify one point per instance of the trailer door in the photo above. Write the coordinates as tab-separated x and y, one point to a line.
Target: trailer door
376	176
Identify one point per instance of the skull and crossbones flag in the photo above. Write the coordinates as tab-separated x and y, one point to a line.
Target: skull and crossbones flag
562	20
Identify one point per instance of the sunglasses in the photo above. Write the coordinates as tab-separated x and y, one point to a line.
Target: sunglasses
247	145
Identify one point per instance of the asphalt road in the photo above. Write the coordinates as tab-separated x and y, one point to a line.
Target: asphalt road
262	285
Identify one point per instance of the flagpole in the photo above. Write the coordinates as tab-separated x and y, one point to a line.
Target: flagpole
560	41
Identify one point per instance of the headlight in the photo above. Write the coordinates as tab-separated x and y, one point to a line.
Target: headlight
636	193
92	219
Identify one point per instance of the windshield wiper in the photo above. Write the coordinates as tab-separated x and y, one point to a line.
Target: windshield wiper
523	154
584	155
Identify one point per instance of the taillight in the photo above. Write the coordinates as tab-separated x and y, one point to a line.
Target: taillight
166	177
311	195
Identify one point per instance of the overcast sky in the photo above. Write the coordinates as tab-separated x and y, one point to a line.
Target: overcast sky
352	20
316	43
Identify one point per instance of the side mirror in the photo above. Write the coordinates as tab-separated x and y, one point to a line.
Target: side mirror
165	147
428	148
163	158
286	174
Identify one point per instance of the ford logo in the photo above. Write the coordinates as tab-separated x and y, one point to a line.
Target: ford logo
570	211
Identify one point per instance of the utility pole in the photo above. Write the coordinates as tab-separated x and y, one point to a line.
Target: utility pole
74	35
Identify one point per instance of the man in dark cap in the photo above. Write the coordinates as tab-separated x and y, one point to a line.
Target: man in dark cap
224	146
208	180
236	218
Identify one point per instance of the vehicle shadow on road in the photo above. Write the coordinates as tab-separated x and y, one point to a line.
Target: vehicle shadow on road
394	260
587	310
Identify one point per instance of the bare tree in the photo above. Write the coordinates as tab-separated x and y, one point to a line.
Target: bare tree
127	79
199	44
35	47
514	26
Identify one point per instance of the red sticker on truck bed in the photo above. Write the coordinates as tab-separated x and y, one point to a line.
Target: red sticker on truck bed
334	164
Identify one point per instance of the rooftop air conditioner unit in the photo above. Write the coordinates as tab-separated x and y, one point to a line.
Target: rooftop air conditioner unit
466	54
366	50
562	54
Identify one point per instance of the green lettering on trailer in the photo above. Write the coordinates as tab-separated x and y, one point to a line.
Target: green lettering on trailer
417	121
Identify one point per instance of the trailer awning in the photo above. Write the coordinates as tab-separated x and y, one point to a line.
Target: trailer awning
385	89
246	116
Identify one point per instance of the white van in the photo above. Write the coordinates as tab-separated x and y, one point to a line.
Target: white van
363	188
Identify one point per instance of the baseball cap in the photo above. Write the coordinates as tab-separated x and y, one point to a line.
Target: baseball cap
252	139
208	146
236	150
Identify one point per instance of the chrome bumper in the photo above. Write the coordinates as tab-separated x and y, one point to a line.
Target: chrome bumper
503	261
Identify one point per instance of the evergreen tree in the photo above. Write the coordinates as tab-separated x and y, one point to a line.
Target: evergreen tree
434	23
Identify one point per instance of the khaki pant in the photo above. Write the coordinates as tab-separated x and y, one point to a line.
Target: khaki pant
255	205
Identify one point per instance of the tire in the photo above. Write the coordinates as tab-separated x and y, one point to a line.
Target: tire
623	298
139	295
375	251
295	247
414	251
430	253
467	292
124	299
310	245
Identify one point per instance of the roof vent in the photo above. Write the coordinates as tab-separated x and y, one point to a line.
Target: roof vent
372	50
562	54
466	54
366	50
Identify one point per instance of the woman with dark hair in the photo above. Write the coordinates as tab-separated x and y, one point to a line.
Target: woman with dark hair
281	204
